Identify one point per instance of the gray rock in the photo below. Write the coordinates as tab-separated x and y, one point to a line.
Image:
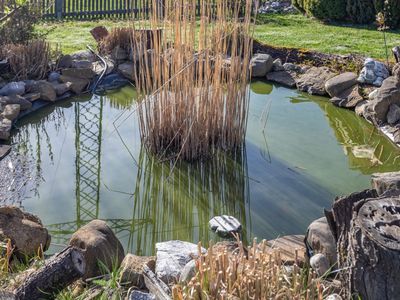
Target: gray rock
77	85
11	111
54	77
31	97
99	244
65	61
5	129
80	73
277	65
98	67
292	68
360	108
4	150
225	225
320	264
396	70
172	257
383	182
81	64
24	104
13	88
334	297
284	78
138	295
320	239
119	54
372	95
188	272
45	89
393	115
25	231
83	55
338	84
261	64
373	72
127	70
2	82
348	98
314	79
132	269
62	88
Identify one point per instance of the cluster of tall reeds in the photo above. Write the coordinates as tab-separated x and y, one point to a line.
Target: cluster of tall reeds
193	74
255	274
118	37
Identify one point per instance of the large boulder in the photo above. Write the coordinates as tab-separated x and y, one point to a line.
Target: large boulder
45	89
76	85
172	257
393	115
285	78
24	104
225	226
388	94
100	246
314	79
80	73
132	268
261	64
383	182
62	88
65	61
24	230
83	55
119	54
11	111
320	238
127	70
336	85
348	98
13	88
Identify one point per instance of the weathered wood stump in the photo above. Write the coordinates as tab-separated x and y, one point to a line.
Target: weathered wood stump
60	271
367	230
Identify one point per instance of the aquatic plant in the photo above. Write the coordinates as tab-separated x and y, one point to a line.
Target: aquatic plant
193	77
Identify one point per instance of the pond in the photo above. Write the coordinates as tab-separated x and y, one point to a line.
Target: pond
83	160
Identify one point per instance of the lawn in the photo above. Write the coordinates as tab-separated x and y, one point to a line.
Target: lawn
294	31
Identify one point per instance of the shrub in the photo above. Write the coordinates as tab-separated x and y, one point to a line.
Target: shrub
323	9
361	11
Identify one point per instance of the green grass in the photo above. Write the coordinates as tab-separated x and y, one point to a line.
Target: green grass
295	31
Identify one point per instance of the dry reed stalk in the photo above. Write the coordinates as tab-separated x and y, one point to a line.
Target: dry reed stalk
120	37
260	275
194	100
28	61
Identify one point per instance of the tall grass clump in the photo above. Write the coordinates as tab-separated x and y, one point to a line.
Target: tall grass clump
192	74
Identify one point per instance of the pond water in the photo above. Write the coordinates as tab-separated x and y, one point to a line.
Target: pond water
87	162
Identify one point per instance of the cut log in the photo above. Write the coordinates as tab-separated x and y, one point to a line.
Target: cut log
155	286
59	272
368	236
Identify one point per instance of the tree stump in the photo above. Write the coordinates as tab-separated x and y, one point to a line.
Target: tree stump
60	271
367	230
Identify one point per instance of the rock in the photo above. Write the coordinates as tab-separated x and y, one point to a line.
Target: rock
383	182
320	238
84	55
393	115
348	98
132	269
24	104
374	72
320	264
81	73
98	67
99	244
5	129
25	231
172	257
360	108
11	111
138	295
261	64
396	70
225	225
99	33
388	94
2	82
62	88
334	297
82	64
119	54
188	272
65	61
277	65
284	78
314	79
289	67
4	150
77	85
13	88
32	97
338	84
372	95
45	89
53	77
127	70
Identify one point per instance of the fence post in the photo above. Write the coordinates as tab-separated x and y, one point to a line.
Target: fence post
59	9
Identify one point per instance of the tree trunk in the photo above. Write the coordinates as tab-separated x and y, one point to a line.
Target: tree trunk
367	230
60	271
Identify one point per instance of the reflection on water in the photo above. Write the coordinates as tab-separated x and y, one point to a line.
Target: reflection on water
88	163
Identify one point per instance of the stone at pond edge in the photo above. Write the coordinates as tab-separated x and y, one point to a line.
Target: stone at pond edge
138	295
62	88
393	115
119	54
24	104
383	182
261	64
172	256
224	225
277	65
25	231
321	240
320	264
83	55
11	111
132	269
4	150
32	97
314	79
13	88
99	244
188	272
5	128
336	85
127	69
65	61
348	98
77	86
45	89
79	73
53	77
284	78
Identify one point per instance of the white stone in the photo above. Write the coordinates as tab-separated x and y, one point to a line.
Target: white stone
225	225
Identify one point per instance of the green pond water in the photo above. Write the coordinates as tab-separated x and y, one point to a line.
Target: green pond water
87	162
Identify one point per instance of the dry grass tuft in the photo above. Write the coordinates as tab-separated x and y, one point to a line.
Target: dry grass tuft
257	275
194	97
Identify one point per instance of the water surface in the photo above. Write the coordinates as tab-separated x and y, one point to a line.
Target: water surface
87	162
